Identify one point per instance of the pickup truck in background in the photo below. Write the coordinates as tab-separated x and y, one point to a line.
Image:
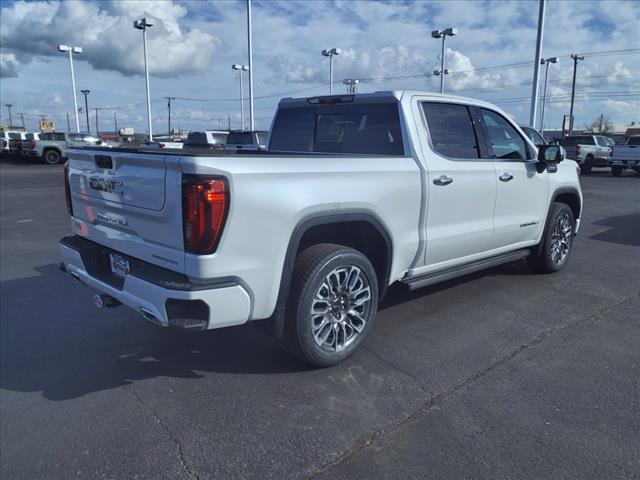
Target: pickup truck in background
206	140
588	150
353	194
626	156
239	140
52	146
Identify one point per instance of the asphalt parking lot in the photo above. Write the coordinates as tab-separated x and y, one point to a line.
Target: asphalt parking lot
499	375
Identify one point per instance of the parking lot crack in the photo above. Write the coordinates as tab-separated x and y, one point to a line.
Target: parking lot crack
397	368
167	430
366	441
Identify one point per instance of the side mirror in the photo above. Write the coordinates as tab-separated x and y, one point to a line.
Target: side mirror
549	156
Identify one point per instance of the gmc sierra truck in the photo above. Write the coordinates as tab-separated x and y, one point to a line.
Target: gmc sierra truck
354	193
588	151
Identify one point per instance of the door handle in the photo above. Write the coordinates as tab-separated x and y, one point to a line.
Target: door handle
442	180
505	177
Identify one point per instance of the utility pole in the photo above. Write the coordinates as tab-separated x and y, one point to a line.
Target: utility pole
8	105
601	120
447	32
115	123
97	129
250	51
229	122
575	58
68	124
169	106
86	107
22	118
536	67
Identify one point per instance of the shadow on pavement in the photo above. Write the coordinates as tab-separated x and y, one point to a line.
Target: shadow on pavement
625	230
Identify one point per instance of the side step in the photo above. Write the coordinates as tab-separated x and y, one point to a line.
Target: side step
443	275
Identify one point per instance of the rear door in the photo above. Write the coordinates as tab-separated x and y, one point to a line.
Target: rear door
521	195
461	186
129	202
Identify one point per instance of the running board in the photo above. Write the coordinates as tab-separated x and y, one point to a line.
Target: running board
443	275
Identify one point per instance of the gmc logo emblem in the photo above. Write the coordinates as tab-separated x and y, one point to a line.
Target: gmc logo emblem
106	185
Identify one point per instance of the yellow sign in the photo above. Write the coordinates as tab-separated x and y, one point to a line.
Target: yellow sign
47	126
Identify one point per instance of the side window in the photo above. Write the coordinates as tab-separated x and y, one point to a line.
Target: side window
451	130
232	139
246	138
504	140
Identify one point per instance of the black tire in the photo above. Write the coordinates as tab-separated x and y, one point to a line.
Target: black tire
587	165
52	157
544	259
617	171
310	279
637	169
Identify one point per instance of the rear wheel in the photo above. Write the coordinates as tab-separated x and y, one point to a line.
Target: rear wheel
553	250
52	157
332	304
617	171
587	165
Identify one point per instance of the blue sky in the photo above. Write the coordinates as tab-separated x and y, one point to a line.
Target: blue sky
194	43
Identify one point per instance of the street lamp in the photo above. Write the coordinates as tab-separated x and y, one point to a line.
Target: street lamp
330	53
545	61
8	105
86	107
448	32
351	84
72	50
143	24
241	68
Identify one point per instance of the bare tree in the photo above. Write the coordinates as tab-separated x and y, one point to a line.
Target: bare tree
601	124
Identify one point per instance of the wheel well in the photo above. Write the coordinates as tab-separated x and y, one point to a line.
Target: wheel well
360	235
570	199
48	149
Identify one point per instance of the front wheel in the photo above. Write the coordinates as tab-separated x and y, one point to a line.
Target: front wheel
52	157
553	250
332	305
587	165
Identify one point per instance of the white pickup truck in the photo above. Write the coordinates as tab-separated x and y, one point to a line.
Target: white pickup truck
354	193
626	156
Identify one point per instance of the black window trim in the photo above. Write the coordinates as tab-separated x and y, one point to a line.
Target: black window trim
531	153
478	132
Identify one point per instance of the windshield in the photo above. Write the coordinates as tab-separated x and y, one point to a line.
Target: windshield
353	128
219	138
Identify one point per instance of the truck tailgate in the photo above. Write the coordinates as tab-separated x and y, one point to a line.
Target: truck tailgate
130	202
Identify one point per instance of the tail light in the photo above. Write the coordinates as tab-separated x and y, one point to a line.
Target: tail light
205	202
578	150
67	189
33	144
162	145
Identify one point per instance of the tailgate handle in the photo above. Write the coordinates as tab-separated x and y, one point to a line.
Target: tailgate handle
104	161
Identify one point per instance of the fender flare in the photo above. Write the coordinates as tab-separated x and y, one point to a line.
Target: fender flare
315	219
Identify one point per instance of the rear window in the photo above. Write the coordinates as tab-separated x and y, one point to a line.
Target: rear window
219	138
578	140
14	136
634	141
196	138
353	128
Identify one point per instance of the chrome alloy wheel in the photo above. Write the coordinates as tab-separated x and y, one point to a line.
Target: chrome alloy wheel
340	308
561	238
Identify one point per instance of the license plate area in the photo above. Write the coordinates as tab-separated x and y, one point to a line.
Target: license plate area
119	265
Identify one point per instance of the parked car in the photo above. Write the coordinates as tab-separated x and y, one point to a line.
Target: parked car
208	140
626	156
588	150
354	193
239	140
52	146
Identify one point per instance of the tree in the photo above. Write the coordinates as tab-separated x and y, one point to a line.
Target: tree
601	124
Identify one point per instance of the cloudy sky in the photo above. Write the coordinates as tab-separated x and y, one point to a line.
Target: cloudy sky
385	44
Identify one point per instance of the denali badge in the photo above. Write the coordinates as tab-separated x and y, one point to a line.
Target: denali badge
106	185
529	224
112	219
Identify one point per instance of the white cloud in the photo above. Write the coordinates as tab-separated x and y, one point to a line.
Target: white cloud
106	34
8	65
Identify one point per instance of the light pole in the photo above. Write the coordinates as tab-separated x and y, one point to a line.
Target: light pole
448	32
330	52
545	61
86	107
351	84
241	68
252	126
169	105
575	58
8	105
97	128
72	50
142	24
22	119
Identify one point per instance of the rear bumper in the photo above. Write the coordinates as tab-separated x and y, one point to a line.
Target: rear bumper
158	294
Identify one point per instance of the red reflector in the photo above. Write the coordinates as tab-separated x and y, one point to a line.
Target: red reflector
205	203
67	188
